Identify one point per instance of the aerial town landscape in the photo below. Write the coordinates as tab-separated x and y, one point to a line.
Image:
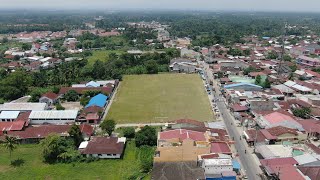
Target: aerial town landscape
166	95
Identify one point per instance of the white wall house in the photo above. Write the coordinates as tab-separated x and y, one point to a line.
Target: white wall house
53	117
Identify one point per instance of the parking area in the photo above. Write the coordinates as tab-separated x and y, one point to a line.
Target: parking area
72	105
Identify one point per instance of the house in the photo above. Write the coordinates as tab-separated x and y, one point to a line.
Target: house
49	98
308	61
92	118
185	151
277	118
33	134
99	100
183	68
217	165
53	117
281	168
244	86
103	147
220	147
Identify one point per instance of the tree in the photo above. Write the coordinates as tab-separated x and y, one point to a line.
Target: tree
5	40
59	107
53	146
146	136
76	135
151	66
71	95
246	52
129	132
10	143
84	101
258	80
267	83
248	70
108	126
286	57
302	112
272	55
26	46
35	96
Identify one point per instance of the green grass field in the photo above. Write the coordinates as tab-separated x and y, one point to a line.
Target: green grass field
34	168
102	55
160	98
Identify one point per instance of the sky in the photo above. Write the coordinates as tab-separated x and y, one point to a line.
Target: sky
214	5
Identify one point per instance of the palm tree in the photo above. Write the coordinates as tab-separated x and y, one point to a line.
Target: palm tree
10	144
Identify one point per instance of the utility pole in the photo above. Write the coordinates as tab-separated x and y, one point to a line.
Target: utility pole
255	139
282	50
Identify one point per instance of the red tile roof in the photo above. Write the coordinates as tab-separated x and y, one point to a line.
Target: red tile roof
277	117
86	129
312	172
220	147
92	116
278	161
267	135
209	156
287	172
310	125
104	145
182	134
24	116
239	108
279	130
42	131
12	126
50	95
314	148
93	109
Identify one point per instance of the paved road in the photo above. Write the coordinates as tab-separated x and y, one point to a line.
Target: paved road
248	163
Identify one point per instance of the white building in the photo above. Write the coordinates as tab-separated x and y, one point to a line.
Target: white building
53	117
216	166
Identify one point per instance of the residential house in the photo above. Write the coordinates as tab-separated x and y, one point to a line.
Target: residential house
33	134
244	86
49	98
103	147
308	61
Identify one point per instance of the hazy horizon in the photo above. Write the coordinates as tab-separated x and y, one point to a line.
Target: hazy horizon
205	5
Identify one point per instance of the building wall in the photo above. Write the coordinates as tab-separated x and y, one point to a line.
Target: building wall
217	169
105	156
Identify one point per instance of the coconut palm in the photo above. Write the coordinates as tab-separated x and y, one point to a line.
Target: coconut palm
10	144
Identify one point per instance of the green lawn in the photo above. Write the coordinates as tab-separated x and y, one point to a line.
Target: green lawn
34	168
160	98
102	55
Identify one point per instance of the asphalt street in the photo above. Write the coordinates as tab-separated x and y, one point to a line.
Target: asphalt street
249	165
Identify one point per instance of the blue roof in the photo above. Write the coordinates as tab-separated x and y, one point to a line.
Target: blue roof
241	84
235	164
98	100
92	84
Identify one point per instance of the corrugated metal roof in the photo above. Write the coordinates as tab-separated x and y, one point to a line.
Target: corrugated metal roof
9	114
66	114
23	106
241	84
98	100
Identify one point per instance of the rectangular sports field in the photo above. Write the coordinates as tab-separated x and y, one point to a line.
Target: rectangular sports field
160	98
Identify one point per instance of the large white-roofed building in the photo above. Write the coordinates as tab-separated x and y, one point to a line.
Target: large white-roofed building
53	117
23	107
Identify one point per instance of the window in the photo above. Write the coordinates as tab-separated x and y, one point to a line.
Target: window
114	154
99	154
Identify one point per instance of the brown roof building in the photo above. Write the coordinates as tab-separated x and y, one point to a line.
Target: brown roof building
103	147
